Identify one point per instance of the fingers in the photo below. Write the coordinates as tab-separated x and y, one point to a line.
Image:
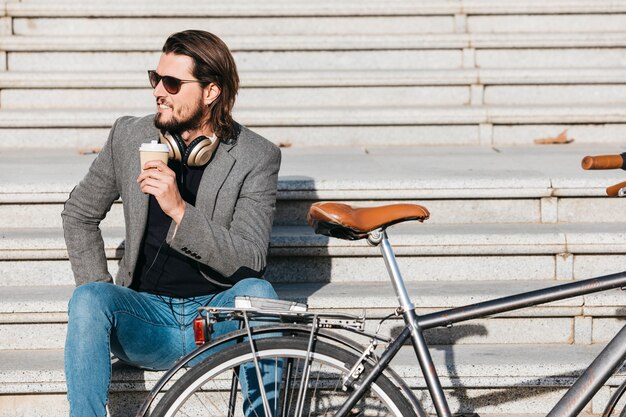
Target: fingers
156	170
156	164
155	182
158	185
153	187
155	175
158	180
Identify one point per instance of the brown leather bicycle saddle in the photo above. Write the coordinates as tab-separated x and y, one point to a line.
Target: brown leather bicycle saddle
345	222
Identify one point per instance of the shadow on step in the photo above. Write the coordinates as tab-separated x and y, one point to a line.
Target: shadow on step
487	395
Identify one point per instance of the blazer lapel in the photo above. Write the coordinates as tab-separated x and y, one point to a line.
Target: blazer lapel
213	178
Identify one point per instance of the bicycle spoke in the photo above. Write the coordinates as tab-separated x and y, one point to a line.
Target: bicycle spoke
335	389
257	367
232	400
211	399
277	378
302	383
313	395
291	387
286	387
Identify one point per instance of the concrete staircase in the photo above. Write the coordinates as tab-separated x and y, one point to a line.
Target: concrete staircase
373	102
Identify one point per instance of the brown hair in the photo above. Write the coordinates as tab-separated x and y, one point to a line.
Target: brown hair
213	63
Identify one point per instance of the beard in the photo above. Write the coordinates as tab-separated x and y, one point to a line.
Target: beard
193	121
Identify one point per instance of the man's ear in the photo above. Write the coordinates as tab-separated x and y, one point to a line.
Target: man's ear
211	93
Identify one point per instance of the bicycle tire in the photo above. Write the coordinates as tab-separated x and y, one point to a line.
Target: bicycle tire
614	403
623	412
203	390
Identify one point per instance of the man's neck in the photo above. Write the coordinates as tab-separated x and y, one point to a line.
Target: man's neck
190	135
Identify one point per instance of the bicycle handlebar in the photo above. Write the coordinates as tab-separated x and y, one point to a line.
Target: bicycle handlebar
613	190
604	162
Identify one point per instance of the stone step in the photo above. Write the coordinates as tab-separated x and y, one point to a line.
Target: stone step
485	379
370	174
35	317
328	78
606	54
480	45
48	304
405	23
333	42
408	239
544	330
293	212
319	269
340	52
333	137
304	98
488	116
316	269
237	25
297	97
520	185
446	211
487	239
187	8
301	257
444	172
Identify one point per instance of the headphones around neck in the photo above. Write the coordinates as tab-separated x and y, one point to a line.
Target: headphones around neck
197	154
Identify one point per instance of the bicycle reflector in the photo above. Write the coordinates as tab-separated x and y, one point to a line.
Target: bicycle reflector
201	331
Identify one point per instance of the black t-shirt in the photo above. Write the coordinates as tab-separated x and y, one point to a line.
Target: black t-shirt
160	269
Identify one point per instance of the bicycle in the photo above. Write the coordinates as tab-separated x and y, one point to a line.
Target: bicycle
318	371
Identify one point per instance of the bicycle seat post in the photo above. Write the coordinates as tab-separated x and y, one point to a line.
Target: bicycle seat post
393	270
410	318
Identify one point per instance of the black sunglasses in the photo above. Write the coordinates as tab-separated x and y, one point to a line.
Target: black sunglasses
171	84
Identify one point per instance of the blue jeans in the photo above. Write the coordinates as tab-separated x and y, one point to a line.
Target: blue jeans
144	330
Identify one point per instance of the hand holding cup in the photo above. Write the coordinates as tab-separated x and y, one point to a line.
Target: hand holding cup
158	180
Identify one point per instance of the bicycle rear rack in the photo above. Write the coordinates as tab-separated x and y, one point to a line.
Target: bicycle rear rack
269	310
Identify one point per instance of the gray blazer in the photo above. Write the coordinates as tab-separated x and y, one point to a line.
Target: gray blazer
227	231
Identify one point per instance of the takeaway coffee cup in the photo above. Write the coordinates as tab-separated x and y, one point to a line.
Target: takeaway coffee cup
153	151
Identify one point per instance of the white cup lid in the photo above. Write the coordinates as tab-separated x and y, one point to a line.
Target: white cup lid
154	146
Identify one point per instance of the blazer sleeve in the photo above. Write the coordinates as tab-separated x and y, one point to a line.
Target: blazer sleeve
240	250
85	208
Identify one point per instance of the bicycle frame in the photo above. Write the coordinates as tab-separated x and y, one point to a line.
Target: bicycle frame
570	404
574	399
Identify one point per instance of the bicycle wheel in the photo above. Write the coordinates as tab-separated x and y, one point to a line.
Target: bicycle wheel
615	404
213	387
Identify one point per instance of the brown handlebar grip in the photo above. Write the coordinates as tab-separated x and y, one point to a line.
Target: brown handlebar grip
613	190
603	162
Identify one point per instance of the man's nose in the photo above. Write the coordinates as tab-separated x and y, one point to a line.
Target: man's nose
159	90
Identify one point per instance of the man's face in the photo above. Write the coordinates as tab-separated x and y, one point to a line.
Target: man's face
184	110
